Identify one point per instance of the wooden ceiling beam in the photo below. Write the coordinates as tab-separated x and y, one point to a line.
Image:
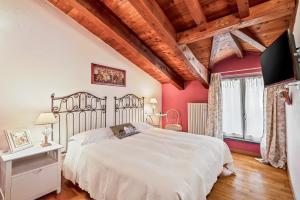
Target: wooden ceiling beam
267	11
243	7
214	50
243	36
235	45
156	18
99	20
198	66
196	12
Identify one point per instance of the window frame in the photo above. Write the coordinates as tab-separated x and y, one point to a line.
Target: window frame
243	92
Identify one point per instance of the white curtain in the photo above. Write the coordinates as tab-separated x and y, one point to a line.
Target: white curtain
232	108
254	111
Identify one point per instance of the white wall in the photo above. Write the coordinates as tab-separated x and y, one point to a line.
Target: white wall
297	27
293	126
43	51
293	140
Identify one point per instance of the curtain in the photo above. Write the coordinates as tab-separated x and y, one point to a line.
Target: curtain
232	119
273	145
214	120
254	112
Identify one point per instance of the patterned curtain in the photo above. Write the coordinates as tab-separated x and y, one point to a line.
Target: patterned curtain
273	145
214	120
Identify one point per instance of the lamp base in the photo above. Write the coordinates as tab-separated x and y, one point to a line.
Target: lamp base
46	144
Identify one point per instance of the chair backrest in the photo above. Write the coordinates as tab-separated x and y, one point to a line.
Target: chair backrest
172	116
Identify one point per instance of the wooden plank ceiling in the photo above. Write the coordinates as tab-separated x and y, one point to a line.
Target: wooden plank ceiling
181	40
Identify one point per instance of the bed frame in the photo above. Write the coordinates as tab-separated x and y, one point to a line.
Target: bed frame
129	108
77	112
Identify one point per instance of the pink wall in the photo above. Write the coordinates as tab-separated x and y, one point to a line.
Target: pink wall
194	92
250	61
243	147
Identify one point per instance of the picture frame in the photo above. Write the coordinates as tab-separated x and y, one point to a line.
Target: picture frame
104	75
18	139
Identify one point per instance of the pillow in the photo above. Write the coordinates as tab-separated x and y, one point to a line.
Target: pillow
92	136
124	130
141	125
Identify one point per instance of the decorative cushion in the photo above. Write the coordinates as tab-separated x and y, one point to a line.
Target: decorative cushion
124	130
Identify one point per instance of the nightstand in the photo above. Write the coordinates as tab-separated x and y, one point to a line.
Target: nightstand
31	173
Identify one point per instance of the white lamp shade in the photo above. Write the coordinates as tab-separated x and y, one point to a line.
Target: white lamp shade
153	100
45	118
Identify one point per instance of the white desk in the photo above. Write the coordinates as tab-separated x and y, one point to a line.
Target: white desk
158	115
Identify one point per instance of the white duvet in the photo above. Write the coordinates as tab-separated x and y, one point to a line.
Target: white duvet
155	164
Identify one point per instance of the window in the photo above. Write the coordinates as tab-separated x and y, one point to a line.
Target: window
243	108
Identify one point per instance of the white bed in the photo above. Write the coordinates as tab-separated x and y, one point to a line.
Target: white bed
155	164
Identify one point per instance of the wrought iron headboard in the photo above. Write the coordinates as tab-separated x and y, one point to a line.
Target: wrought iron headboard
76	113
129	108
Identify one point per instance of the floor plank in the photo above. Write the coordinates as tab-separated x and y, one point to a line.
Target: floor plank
252	181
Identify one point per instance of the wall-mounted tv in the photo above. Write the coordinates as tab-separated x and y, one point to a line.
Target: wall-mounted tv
278	61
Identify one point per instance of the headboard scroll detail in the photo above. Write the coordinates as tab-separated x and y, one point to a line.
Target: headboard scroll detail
75	113
129	108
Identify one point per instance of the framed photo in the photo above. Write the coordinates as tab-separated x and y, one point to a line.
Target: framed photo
18	139
104	75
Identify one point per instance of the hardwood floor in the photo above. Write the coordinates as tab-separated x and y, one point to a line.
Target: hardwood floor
253	181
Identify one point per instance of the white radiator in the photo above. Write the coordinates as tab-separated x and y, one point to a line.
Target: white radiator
197	117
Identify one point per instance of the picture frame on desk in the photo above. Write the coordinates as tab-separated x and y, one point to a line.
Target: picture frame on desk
18	139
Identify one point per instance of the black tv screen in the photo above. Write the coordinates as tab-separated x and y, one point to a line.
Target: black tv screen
277	61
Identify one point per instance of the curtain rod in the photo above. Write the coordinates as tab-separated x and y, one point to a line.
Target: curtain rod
240	70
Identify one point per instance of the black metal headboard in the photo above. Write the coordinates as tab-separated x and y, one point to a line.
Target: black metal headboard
76	113
129	108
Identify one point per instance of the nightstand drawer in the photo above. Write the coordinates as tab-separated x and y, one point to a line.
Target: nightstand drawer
35	183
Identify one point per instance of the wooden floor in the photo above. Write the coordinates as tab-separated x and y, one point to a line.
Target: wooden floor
252	181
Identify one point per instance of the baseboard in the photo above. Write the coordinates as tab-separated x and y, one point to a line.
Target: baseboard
235	150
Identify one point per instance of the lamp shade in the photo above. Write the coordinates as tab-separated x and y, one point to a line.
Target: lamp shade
45	118
153	100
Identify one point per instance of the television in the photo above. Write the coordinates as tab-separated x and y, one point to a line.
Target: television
279	63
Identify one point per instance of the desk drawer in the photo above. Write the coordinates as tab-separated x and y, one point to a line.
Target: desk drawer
35	183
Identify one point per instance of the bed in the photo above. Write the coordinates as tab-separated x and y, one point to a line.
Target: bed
155	164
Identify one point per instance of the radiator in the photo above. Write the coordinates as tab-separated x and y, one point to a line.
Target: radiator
197	117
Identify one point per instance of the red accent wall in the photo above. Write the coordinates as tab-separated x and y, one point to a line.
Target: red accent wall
194	92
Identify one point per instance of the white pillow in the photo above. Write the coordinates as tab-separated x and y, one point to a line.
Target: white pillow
92	136
141	125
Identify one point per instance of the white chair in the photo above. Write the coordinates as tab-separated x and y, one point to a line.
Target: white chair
172	119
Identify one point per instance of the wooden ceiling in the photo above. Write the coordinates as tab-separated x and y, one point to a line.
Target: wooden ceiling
181	40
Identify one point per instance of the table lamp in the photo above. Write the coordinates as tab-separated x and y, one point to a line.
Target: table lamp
153	101
46	119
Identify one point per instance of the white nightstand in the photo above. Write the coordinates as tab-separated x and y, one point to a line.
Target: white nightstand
31	173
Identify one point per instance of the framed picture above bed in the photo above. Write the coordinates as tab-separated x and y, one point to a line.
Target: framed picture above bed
104	75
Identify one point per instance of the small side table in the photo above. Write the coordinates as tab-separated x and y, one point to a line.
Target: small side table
31	173
149	118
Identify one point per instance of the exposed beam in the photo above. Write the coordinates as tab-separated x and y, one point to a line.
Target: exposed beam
156	18
214	50
235	45
99	20
267	11
193	60
196	12
243	7
243	36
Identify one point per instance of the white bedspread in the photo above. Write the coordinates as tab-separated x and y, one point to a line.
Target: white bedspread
156	164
